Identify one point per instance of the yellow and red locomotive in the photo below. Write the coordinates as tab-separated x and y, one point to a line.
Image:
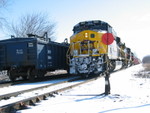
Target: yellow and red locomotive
92	45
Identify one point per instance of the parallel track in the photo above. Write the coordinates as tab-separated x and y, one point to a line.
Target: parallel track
13	94
9	83
32	100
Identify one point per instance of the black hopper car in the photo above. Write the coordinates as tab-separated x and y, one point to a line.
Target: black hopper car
31	57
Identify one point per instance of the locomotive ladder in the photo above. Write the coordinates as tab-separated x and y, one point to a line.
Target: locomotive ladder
2	55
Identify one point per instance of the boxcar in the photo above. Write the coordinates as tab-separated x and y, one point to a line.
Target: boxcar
31	57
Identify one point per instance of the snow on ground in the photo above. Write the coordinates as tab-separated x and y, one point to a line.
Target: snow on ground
25	86
129	93
3	76
35	93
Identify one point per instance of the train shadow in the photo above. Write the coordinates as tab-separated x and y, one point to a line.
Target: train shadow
94	96
125	109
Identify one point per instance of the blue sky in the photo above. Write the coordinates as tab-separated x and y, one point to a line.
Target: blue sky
129	18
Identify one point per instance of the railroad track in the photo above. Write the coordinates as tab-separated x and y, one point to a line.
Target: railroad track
16	93
23	103
52	77
9	83
57	87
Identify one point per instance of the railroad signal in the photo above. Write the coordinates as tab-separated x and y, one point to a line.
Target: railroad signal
107	38
107	83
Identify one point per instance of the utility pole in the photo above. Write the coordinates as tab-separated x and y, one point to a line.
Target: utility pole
107	83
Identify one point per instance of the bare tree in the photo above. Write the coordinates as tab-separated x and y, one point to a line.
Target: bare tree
3	4
36	23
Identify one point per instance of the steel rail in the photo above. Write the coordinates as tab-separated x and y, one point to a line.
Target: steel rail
13	94
32	100
10	83
7	96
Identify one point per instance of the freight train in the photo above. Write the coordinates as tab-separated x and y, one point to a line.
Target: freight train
31	57
95	48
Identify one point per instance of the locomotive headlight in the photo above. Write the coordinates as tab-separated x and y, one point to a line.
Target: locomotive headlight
86	35
94	51
75	52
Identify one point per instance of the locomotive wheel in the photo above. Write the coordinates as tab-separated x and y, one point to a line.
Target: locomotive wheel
125	64
40	73
11	76
68	71
84	75
24	77
112	66
31	74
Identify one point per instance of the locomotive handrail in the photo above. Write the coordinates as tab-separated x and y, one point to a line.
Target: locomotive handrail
68	55
87	47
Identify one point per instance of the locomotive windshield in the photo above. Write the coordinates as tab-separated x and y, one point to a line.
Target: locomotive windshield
91	25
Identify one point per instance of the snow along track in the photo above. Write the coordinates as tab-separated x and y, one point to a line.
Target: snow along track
10	83
52	76
9	94
31	98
